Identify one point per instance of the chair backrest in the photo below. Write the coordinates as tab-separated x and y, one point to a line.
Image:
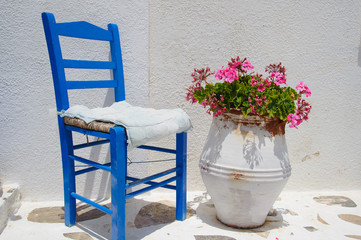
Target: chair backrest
83	30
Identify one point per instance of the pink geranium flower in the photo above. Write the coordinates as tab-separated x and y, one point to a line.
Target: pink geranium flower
246	66
294	120
261	88
303	89
253	82
228	74
278	78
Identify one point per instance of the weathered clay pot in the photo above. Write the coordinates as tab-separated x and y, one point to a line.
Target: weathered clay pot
245	165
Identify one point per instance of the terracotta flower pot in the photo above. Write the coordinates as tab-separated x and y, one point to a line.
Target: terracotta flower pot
245	165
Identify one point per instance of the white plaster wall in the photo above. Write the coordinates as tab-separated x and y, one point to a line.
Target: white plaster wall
319	42
29	146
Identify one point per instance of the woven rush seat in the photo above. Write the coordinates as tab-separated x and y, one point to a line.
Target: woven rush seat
98	126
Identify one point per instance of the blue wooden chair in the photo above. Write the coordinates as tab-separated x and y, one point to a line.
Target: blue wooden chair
113	134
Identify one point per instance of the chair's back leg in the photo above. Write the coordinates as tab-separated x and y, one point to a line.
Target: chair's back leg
118	157
66	142
181	164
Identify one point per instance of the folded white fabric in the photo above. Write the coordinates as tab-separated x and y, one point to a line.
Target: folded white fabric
142	124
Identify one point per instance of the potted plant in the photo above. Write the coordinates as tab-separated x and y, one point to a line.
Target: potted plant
244	163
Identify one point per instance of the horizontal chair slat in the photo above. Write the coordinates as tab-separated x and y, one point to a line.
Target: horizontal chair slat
84	145
91	84
91	163
153	186
70	63
94	204
159	149
172	187
89	169
147	179
83	30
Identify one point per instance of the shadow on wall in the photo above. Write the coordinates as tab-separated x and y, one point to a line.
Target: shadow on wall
95	155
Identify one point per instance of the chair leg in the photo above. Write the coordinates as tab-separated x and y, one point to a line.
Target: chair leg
181	164
66	142
118	153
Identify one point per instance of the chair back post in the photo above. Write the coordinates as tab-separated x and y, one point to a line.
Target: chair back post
116	53
52	40
62	103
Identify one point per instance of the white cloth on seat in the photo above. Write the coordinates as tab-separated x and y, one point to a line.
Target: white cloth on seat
142	124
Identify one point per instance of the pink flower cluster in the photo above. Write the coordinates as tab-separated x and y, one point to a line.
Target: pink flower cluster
303	89
300	115
246	65
235	67
190	91
199	76
228	74
303	107
277	73
215	105
260	83
278	78
258	101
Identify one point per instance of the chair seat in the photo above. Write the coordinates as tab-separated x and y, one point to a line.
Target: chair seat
141	124
98	126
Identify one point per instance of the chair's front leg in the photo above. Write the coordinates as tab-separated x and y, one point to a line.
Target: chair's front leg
66	144
118	153
181	164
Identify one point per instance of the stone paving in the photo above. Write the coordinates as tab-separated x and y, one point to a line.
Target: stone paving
295	215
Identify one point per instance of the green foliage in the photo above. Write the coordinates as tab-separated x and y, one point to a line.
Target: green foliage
280	101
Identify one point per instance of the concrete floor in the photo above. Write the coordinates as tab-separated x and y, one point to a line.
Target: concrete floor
296	215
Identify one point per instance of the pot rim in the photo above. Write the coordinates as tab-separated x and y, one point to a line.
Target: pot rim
237	113
273	125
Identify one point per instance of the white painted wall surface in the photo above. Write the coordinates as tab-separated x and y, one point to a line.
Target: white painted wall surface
29	146
317	41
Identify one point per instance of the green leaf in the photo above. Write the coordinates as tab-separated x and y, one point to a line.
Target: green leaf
237	102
